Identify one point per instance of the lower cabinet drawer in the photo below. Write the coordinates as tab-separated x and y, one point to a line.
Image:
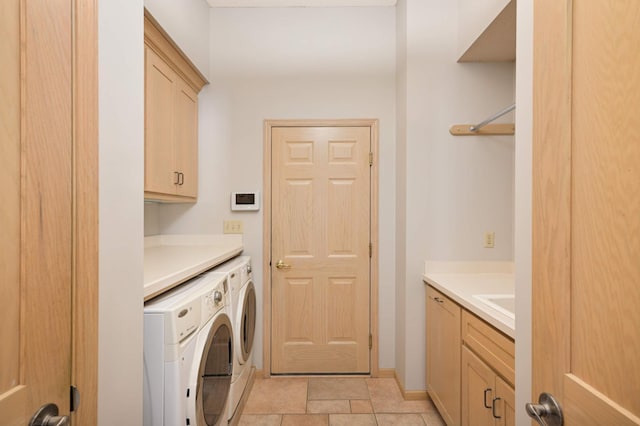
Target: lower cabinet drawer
496	349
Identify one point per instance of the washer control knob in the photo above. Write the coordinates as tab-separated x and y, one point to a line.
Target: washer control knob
248	269
217	297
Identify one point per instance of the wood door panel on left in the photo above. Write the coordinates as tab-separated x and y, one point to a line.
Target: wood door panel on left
10	154
36	215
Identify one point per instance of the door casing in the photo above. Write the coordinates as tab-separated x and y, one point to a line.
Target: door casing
85	283
266	250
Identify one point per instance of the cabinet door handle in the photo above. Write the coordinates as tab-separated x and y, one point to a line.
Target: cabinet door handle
181	178
486	391
493	409
176	180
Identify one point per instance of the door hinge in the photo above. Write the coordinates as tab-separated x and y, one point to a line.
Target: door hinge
371	159
74	398
370	341
370	250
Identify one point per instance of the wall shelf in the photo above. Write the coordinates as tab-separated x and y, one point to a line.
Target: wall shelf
489	129
497	42
484	128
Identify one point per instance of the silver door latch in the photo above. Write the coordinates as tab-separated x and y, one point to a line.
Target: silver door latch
546	412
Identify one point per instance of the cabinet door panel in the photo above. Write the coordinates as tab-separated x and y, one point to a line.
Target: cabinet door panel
186	139
506	406
158	152
477	378
443	355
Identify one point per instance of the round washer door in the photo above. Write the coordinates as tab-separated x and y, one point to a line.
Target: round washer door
214	375
246	321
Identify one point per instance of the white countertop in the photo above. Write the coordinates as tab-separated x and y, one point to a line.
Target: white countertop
461	280
172	259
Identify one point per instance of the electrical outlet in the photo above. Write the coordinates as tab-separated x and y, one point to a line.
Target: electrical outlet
233	227
489	239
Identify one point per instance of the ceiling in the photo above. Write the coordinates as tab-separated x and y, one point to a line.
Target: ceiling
299	3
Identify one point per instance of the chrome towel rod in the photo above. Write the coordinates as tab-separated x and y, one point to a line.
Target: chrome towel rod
497	115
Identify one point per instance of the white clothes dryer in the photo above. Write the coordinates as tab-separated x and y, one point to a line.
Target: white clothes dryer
243	307
188	354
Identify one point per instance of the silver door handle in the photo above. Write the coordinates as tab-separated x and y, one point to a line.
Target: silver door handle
47	415
547	412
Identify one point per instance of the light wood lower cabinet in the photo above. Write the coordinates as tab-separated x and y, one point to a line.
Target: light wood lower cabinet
506	406
478	390
443	355
172	84
487	399
470	366
488	374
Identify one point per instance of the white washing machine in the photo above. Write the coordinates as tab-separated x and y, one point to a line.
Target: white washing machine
243	307
188	354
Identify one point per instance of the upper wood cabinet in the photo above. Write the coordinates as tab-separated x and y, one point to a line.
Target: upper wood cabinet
488	31
172	84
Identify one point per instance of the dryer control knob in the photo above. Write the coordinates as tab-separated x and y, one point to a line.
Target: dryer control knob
248	269
217	297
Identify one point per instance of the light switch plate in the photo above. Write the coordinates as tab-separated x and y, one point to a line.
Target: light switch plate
233	227
489	239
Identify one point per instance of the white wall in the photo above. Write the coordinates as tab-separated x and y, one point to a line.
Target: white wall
309	63
121	150
456	187
288	63
523	267
401	187
187	22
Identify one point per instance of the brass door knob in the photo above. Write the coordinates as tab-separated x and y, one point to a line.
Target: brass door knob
282	265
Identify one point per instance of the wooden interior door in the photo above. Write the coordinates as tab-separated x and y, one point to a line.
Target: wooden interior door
320	234
586	201
36	212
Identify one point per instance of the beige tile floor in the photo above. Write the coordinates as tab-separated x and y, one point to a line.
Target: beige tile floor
333	402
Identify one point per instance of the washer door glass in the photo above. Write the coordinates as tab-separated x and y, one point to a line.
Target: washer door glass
248	322
214	378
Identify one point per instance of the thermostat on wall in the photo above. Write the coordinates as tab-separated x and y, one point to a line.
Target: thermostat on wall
245	201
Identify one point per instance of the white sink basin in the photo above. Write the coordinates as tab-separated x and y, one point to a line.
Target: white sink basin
503	303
